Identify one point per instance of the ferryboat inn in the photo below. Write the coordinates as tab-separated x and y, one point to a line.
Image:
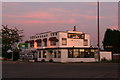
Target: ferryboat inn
63	46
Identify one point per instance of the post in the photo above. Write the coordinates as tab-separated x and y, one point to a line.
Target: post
98	32
12	56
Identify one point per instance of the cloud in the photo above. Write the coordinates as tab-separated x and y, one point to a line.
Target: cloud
9	4
69	21
87	17
113	27
58	10
35	15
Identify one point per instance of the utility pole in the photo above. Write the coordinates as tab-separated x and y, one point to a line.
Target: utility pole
98	25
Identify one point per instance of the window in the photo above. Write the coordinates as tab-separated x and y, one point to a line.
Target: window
44	54
45	43
70	53
53	43
59	54
64	41
76	36
39	54
80	53
85	42
55	53
76	53
31	45
39	44
55	33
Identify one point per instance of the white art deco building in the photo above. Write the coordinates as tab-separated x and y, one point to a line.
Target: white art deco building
63	46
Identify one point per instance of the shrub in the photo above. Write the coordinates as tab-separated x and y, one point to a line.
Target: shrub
43	60
50	60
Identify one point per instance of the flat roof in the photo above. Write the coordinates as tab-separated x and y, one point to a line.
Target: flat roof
66	48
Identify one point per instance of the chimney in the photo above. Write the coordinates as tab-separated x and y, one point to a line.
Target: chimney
74	28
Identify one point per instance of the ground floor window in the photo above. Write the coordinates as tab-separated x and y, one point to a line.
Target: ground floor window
31	44
44	54
45	43
57	54
80	53
39	54
39	44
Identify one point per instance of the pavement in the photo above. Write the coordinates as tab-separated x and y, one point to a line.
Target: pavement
15	69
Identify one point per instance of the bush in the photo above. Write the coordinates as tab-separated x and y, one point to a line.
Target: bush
103	59
50	60
43	60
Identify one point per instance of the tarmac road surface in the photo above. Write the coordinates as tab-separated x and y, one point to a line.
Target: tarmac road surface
59	70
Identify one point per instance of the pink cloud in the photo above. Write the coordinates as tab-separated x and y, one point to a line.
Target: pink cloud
40	15
43	15
113	27
69	21
86	16
58	10
9	4
91	3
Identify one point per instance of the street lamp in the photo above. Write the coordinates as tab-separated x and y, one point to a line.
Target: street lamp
98	31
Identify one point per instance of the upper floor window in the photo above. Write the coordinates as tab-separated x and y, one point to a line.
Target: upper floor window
64	41
45	41
55	33
53	43
85	42
39	44
32	43
76	36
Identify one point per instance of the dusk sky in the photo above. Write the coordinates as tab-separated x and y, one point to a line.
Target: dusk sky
37	17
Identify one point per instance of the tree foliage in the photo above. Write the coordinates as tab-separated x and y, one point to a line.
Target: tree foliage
111	40
10	36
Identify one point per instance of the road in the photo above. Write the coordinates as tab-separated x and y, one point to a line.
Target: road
59	70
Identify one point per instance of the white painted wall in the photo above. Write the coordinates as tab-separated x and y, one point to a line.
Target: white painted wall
59	36
105	54
81	60
73	42
64	55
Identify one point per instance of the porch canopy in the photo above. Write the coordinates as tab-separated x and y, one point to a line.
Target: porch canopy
45	39
53	39
31	41
38	40
27	41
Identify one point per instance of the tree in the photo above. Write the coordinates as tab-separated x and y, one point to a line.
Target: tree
10	37
111	40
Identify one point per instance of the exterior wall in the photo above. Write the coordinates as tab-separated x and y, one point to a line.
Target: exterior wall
64	55
87	36
56	59
64	52
62	35
81	60
70	41
106	55
73	42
